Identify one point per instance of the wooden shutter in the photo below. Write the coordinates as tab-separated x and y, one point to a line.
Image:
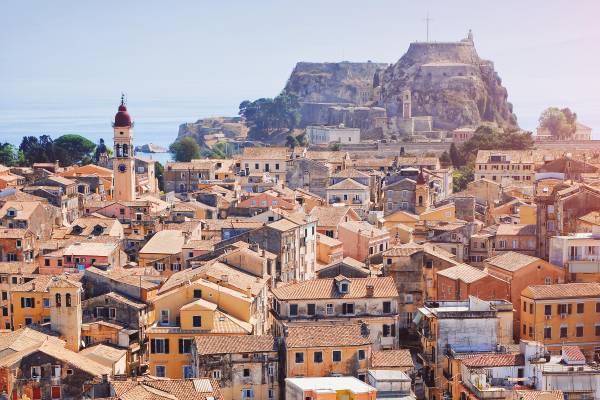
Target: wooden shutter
166	346
152	346
181	346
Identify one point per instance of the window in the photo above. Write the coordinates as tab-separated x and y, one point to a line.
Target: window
159	346
524	329
598	307
524	306
56	371
336	356
57	300
175	267
55	392
160	266
112	313
387	307
329	309
597	329
27	302
293	310
389	330
185	346
197	321
299	358
216	374
361	354
547	332
164	316
46	303
5	312
46	262
68	299
563	332
197	293
348	308
311	309
344	288
270	394
548	309
247	394
36	372
318	357
580	308
579	331
246	372
161	371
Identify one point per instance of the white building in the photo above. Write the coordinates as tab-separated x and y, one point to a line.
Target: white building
579	253
332	134
336	387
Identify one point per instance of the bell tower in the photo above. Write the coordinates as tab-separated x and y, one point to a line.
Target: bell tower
123	162
421	194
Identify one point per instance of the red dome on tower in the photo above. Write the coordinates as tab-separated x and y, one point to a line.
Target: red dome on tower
122	118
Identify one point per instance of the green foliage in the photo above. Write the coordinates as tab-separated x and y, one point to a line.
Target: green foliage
159	172
8	154
67	149
73	149
487	138
291	141
265	115
445	159
461	177
185	150
335	146
560	123
101	148
302	139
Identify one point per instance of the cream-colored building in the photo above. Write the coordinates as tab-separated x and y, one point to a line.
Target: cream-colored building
507	167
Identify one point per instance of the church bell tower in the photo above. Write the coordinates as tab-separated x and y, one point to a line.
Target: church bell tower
123	162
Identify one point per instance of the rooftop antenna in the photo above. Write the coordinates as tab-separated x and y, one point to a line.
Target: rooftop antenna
427	21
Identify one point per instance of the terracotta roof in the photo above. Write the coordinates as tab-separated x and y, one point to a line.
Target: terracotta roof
167	389
364	228
237	278
392	359
331	216
167	241
562	290
592	217
103	354
516	230
463	272
24	338
283	225
264	153
17	267
126	300
403	250
328	241
383	287
539	394
511	261
348	184
350	173
235	344
494	360
329	335
13	233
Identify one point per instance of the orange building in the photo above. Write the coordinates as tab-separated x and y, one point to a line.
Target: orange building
327	349
30	302
564	314
462	280
520	271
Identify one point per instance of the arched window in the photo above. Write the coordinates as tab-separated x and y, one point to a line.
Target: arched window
118	150
57	298
420	200
68	299
125	150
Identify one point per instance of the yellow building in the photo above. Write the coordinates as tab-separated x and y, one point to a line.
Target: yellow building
197	307
327	349
30	302
562	314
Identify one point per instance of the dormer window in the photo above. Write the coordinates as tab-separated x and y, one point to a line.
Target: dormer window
11	212
344	287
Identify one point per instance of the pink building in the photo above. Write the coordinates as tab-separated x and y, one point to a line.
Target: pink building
80	255
362	240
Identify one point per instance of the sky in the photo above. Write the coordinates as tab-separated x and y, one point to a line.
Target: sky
218	53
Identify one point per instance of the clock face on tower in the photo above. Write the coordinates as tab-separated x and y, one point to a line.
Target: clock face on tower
122	168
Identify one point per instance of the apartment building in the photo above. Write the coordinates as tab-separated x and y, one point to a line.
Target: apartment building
506	167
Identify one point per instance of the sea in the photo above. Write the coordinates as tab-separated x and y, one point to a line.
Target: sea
155	121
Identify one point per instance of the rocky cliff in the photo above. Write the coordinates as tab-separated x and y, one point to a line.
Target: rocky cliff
343	82
448	81
230	127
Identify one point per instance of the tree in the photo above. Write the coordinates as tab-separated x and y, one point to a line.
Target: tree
302	139
8	154
159	172
266	115
461	177
445	159
291	141
73	149
455	157
336	146
561	124
185	150
37	150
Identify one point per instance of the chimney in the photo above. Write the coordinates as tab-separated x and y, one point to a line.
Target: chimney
370	290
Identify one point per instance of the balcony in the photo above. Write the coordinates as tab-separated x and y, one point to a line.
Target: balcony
488	392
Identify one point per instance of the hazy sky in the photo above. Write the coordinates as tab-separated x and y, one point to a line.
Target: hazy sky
222	52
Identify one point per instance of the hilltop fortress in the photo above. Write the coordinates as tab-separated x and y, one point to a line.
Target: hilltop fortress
434	87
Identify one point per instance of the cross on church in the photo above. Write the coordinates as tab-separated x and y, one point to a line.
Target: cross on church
427	21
